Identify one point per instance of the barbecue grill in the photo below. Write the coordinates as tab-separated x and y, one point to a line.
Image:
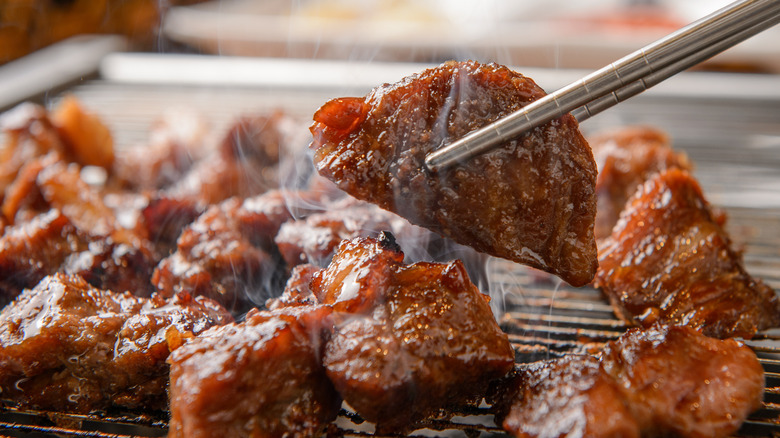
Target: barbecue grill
731	135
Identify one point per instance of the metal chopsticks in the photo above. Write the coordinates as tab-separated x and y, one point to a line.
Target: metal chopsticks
622	79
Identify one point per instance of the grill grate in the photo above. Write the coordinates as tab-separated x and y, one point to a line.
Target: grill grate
543	319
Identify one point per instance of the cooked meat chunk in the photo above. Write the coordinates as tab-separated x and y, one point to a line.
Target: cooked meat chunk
226	254
626	158
50	243
409	339
662	381
681	383
567	397
669	260
166	218
314	239
245	164
297	291
531	200
262	378
67	346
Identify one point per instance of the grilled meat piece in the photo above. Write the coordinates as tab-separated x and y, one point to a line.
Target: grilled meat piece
626	158
409	339
67	346
567	397
227	253
245	163
314	239
662	381
669	260
297	291
531	200
681	383
50	243
262	377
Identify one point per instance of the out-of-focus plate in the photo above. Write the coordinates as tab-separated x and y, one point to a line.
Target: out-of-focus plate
533	33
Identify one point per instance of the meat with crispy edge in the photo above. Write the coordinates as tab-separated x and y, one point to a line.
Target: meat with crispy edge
262	377
531	200
409	339
567	397
661	381
679	382
67	346
626	158
227	253
668	260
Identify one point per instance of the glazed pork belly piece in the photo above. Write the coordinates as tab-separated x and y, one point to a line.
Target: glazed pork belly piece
67	346
262	377
626	158
567	397
531	200
669	260
661	381
227	254
409	340
314	239
679	382
58	223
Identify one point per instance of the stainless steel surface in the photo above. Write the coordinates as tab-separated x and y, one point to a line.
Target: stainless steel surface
622	79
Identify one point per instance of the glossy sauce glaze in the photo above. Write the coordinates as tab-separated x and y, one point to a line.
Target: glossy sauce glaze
531	200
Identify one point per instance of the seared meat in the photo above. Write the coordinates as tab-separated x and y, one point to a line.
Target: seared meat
531	200
67	346
681	383
166	218
315	238
297	291
409	339
226	254
669	260
626	158
568	397
662	381
245	164
262	378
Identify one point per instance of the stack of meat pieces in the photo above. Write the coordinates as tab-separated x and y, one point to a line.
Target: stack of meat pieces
663	381
402	342
668	258
67	346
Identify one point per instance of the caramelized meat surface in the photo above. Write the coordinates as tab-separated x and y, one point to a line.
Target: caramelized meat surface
567	397
262	377
315	238
681	383
409	339
67	346
662	381
531	200
626	158
226	254
669	260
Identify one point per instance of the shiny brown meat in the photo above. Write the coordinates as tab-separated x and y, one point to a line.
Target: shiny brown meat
67	346
568	397
669	260
50	243
314	239
409	339
681	383
245	163
297	291
531	201
626	158
260	378
226	254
